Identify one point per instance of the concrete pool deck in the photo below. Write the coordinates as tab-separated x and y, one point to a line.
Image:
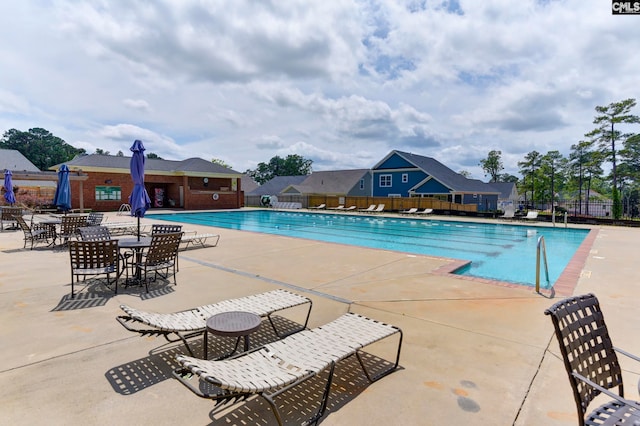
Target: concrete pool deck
473	352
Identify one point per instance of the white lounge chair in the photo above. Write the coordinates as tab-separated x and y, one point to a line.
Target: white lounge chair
340	207
531	215
371	208
193	238
426	211
508	214
277	367
412	210
379	209
319	207
193	322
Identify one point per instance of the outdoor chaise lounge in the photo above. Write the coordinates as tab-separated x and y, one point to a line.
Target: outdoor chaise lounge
531	215
378	209
193	238
426	211
277	367
319	207
190	323
508	214
371	208
591	361
412	210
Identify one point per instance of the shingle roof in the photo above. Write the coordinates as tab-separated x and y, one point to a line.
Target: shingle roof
505	188
12	159
445	175
190	165
277	184
331	182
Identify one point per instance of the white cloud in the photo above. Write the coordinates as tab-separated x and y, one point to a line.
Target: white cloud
342	82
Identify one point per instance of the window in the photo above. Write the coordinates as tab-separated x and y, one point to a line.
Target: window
361	183
385	181
108	193
405	177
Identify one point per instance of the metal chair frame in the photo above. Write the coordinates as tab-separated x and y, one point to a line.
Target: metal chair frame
94	258
591	361
162	254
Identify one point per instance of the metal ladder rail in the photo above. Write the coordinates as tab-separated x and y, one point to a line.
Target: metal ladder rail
541	246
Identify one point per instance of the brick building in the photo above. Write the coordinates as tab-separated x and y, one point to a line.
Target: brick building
193	184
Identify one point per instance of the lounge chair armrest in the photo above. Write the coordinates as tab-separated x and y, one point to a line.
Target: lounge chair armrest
607	392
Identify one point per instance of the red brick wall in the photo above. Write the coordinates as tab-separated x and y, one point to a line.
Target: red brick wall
196	195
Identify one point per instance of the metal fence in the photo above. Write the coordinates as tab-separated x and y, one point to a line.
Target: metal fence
593	209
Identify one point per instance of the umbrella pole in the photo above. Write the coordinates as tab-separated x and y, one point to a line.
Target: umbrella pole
138	228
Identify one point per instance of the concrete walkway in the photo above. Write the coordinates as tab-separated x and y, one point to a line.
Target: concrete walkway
474	353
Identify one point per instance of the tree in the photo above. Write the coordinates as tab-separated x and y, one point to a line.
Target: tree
492	165
220	162
153	156
578	158
465	173
551	163
607	135
507	177
629	174
293	165
40	147
528	168
100	151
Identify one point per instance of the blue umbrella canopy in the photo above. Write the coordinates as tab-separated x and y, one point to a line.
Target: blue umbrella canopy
9	196
139	199
62	199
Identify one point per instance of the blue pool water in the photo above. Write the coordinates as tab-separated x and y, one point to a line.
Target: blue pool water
503	251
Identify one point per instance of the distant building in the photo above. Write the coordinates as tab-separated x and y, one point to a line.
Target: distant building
508	198
403	174
42	185
191	184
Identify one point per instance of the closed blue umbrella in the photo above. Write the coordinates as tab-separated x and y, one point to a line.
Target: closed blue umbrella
62	199
9	196
139	199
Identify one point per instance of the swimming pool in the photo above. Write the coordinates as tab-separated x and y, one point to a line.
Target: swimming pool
503	252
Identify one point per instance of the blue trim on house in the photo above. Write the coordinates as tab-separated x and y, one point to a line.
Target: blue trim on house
442	181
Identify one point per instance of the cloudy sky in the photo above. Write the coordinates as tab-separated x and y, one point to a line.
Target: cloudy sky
341	82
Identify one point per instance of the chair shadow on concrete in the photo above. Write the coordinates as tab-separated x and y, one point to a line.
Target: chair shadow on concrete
303	400
134	376
94	292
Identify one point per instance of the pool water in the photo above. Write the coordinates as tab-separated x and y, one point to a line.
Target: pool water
503	251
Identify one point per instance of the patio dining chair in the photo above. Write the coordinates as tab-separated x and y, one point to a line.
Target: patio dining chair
95	218
36	233
93	258
69	225
282	365
7	216
162	255
94	233
591	361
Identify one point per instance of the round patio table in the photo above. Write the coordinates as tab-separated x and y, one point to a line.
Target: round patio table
232	324
137	245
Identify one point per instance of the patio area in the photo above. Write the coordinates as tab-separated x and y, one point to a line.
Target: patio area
473	352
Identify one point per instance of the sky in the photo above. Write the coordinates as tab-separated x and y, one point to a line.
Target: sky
340	82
